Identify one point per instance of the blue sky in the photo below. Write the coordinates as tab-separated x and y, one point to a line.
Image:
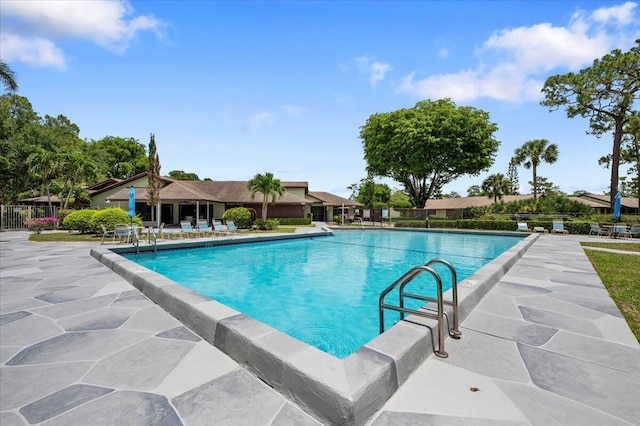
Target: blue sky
231	89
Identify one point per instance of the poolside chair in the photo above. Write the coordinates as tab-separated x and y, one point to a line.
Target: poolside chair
634	231
168	233
219	228
107	234
620	230
122	232
558	228
522	226
540	229
597	231
204	228
231	226
188	229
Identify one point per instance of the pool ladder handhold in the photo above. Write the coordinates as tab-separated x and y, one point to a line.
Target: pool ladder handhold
439	314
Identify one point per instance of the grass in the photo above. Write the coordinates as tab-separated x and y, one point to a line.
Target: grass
615	246
620	274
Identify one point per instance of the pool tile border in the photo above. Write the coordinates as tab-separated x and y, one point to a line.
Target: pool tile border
339	391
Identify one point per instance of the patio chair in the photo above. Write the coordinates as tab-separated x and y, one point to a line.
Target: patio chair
597	231
220	228
168	233
188	229
231	226
204	228
107	234
634	231
620	230
122	232
522	226
540	229
558	228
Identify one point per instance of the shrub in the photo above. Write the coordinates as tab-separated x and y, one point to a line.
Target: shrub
241	217
79	221
40	224
295	221
267	225
336	218
62	214
110	218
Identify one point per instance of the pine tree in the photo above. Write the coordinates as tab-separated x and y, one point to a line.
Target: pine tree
512	177
153	178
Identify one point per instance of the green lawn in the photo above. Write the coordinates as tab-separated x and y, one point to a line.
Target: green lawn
620	274
616	246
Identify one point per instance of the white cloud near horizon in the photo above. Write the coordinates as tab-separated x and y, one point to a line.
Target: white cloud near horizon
37	25
515	62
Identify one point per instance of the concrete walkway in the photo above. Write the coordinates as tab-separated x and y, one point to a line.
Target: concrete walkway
79	345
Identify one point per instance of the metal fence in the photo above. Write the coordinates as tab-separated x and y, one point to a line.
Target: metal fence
16	217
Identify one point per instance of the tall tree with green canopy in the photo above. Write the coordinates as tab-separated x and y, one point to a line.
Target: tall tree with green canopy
269	187
19	137
153	180
8	77
120	157
531	154
604	93
182	175
496	186
429	145
629	154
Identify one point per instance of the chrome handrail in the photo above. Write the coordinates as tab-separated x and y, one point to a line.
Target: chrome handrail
454	332
404	280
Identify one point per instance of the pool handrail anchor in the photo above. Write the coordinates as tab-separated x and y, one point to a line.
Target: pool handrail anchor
439	315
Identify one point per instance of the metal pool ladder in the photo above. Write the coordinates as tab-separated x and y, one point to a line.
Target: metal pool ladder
426	312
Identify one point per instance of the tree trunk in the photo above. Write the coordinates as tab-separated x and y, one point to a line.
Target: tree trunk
615	160
535	184
265	201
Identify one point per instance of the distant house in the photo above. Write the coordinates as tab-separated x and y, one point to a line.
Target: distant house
453	208
190	199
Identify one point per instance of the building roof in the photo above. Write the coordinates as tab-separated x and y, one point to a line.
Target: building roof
329	199
232	192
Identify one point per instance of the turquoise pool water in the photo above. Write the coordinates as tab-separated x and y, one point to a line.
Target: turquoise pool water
323	290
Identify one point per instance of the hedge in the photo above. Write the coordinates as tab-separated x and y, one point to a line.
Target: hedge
294	221
574	227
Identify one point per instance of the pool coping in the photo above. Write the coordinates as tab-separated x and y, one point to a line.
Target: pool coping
338	391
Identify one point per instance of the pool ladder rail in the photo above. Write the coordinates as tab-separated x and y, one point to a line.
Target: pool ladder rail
150	233
426	312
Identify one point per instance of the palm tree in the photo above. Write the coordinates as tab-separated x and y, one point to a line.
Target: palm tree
44	164
531	154
496	186
268	187
8	77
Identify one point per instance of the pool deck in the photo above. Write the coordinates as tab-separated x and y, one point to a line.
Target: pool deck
546	345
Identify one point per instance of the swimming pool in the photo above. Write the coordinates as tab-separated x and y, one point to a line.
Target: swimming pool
323	290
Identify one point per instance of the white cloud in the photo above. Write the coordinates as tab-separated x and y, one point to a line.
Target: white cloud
33	51
623	14
376	71
257	120
109	24
443	52
515	62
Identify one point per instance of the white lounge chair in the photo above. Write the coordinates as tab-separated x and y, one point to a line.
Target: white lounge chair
558	227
